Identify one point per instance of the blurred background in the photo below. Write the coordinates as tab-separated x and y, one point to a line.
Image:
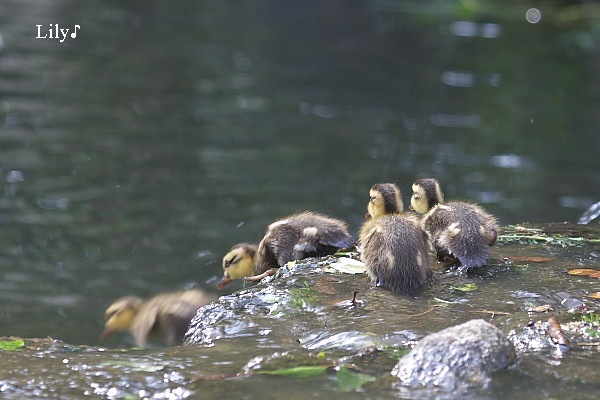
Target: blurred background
133	155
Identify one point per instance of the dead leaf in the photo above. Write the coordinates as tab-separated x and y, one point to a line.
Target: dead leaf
594	295
348	265
532	259
541	309
592	273
556	333
325	285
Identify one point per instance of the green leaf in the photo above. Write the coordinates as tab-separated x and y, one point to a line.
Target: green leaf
11	344
348	380
298	372
469	287
591	332
397	353
349	266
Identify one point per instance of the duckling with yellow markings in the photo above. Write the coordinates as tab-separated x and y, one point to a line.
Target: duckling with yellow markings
394	246
384	199
457	230
167	315
298	236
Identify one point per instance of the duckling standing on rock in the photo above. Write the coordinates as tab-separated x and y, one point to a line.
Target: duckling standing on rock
458	230
296	237
394	246
167	315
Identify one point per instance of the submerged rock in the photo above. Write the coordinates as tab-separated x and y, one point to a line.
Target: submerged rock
537	336
459	356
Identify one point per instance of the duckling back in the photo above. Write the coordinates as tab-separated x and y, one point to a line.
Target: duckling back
395	252
461	230
300	236
167	315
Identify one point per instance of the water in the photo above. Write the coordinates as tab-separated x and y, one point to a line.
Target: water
590	214
305	318
135	154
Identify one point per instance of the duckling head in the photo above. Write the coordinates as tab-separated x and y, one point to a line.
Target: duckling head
384	198
427	193
120	315
237	263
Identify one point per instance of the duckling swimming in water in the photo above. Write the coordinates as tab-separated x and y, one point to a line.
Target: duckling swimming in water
394	246
296	237
457	230
167	315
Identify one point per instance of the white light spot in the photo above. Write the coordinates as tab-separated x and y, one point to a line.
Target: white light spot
15	176
323	111
459	79
533	15
490	31
455	120
507	161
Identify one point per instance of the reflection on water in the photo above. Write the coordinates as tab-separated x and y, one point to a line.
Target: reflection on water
590	214
133	156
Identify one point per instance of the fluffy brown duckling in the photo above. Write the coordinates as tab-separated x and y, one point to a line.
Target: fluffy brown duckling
394	246
296	237
167	315
457	230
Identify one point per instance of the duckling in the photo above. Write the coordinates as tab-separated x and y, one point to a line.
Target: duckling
457	230
298	236
384	198
394	246
167	315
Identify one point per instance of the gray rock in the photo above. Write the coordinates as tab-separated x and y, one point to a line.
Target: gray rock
457	357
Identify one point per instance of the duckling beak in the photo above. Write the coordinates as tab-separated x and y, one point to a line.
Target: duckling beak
367	216
105	333
410	207
224	282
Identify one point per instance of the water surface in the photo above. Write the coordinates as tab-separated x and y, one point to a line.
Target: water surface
135	154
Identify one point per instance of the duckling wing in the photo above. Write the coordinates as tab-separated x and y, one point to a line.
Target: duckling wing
301	236
173	322
465	231
167	315
319	242
319	236
333	236
176	313
144	322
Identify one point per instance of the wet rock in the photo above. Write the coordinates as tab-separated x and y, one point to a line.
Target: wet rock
537	336
457	357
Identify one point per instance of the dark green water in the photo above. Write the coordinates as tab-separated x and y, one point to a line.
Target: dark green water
133	155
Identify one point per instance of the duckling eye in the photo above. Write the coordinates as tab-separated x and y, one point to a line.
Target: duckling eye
229	262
